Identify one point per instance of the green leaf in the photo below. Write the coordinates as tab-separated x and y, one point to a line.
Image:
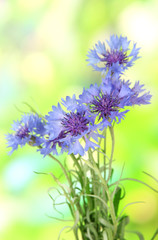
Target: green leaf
127	206
137	233
105	223
136	180
89	234
19	110
117	199
105	237
118	182
111	174
40	173
97	197
77	218
109	233
89	191
71	210
102	151
88	217
155	234
92	229
54	205
62	231
151	176
60	219
121	227
30	107
96	170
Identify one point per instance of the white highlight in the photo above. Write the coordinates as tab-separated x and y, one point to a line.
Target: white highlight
140	23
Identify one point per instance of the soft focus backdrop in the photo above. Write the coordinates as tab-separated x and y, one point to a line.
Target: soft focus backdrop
43	47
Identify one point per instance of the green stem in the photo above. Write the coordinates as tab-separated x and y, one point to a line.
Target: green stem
70	185
95	187
76	234
62	167
72	190
111	206
98	157
76	162
105	154
80	171
59	183
112	152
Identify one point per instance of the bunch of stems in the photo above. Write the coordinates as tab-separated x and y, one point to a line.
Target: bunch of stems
92	203
92	197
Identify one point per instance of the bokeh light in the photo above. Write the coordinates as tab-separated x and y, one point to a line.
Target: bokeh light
43	49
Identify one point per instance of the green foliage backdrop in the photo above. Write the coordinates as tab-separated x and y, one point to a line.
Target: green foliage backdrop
43	47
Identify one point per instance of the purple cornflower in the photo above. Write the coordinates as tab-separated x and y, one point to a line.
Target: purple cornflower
104	104
116	58
66	129
29	129
75	123
107	102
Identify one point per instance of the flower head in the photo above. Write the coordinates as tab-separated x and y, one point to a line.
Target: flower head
107	102
29	129
66	128
114	59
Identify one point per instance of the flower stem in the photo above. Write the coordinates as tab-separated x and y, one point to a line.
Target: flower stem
62	167
76	162
105	154
111	205
112	152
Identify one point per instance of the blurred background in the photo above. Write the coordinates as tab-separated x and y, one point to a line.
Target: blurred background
43	47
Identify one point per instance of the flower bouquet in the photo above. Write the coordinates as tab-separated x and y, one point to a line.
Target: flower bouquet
81	127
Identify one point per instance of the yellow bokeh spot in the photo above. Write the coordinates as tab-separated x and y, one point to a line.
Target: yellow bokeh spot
37	67
142	212
139	22
54	29
30	5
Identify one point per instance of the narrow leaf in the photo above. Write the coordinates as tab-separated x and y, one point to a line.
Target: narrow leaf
89	234
137	233
129	205
59	219
55	204
117	199
105	237
88	213
40	173
105	223
62	231
109	233
19	110
95	196
92	229
136	180
155	234
151	176
121	227
77	218
118	182
30	107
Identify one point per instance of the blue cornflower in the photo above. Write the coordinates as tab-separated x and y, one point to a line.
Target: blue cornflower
107	102
66	128
138	99
29	129
114	59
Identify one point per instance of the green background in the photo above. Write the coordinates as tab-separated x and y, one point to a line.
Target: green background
43	47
